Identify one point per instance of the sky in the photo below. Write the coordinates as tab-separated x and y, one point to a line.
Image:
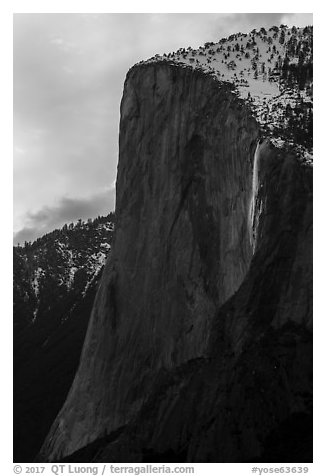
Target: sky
69	71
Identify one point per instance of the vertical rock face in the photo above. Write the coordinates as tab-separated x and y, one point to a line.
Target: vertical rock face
250	397
182	248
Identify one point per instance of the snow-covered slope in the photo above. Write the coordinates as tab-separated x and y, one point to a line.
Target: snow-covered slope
53	272
271	70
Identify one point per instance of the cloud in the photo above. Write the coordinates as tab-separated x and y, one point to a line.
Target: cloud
67	210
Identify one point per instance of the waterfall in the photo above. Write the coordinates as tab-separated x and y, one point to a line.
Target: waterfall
252	203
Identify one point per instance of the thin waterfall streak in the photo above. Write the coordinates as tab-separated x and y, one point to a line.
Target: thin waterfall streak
254	191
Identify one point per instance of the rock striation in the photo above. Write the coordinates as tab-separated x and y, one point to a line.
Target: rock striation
198	347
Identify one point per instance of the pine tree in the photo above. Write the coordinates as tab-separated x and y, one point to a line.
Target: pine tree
282	37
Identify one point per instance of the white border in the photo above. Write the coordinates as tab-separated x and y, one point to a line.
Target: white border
96	6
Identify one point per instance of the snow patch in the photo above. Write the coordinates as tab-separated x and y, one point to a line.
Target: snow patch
251	63
39	272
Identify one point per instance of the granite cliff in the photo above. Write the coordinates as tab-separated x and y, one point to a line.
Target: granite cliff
199	342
